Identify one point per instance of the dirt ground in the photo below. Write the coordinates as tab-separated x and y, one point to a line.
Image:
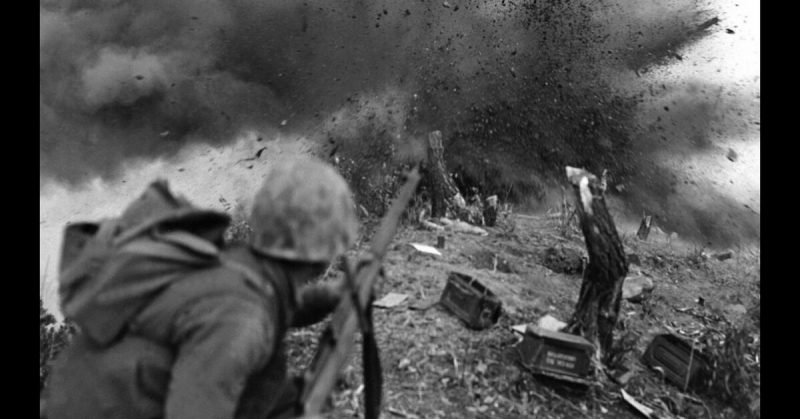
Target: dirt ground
435	367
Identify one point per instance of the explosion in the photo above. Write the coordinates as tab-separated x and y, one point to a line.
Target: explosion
519	89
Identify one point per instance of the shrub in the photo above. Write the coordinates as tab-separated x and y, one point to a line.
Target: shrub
735	355
53	337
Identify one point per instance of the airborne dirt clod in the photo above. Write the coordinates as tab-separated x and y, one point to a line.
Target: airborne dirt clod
435	367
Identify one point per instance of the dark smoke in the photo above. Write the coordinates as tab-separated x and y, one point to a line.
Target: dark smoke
519	88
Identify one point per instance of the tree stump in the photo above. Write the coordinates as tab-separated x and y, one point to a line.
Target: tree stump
644	228
490	211
598	306
444	194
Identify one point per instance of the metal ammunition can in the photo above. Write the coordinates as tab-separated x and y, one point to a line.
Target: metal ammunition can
557	355
681	363
470	301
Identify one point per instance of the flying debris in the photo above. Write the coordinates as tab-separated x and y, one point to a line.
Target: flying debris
258	154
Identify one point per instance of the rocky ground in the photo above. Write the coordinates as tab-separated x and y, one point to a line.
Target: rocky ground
435	367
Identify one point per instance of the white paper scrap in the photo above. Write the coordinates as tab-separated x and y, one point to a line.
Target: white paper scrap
390	300
424	248
520	328
644	410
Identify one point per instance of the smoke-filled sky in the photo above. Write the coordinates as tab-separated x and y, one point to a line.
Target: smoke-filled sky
657	91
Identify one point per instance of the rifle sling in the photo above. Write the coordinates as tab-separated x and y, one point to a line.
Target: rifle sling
328	358
371	363
373	379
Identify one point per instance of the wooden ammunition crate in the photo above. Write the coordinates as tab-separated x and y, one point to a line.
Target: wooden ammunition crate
470	301
558	355
673	355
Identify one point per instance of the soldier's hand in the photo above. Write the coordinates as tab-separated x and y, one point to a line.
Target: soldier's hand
365	260
338	286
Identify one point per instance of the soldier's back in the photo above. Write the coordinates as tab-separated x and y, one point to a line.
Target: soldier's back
131	377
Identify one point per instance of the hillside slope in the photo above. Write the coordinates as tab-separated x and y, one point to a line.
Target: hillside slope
434	367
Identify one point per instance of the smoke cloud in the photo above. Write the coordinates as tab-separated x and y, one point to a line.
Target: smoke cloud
519	88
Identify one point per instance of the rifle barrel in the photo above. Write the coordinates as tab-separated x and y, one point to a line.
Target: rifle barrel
332	357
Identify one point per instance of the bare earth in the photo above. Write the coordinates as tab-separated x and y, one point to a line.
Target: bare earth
435	367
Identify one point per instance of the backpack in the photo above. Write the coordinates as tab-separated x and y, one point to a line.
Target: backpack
110	269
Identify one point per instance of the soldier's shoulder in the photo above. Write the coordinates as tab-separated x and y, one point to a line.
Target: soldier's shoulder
233	275
241	261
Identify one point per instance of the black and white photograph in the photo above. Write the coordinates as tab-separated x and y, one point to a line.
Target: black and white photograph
410	209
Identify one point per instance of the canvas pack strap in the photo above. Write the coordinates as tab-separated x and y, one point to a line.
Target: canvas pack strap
175	245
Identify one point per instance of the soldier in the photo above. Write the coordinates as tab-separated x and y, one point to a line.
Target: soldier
211	344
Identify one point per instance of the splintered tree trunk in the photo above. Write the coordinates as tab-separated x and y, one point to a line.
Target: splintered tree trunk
601	291
644	228
490	211
444	194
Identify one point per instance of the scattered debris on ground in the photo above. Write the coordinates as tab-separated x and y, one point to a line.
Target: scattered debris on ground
423	248
549	322
435	366
390	300
488	260
637	288
563	259
724	255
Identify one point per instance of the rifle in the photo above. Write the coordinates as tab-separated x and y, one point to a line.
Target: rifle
338	339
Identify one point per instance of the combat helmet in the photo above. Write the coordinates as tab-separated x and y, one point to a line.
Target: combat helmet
304	212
